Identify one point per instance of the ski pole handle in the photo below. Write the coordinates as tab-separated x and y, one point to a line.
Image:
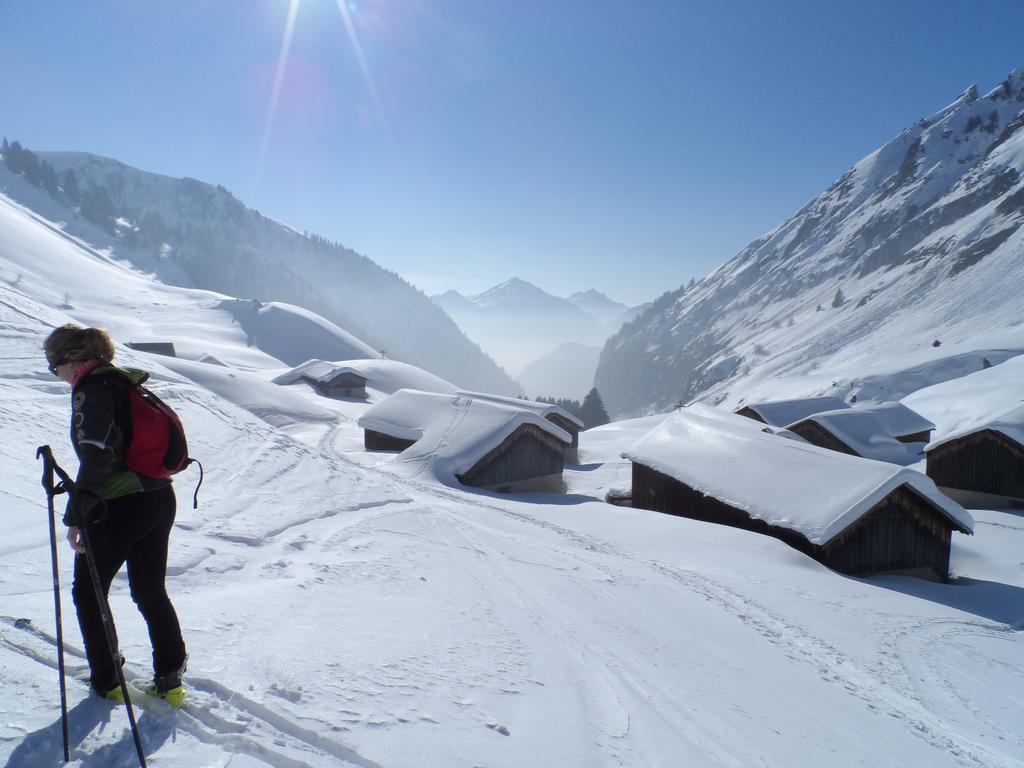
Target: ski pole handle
50	466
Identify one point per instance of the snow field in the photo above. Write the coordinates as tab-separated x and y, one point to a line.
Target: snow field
340	613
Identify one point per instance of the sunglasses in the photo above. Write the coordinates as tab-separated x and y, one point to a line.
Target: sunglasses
57	364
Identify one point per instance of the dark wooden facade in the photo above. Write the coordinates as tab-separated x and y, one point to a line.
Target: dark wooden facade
815	434
569	426
165	348
924	436
528	453
378	441
343	385
902	533
986	461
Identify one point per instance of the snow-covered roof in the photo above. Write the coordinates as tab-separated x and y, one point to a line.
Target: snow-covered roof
781	413
316	370
452	432
1010	424
541	409
897	418
384	377
740	422
966	401
812	490
865	432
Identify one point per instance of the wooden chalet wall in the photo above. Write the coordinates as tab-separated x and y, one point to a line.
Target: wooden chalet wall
903	532
527	453
165	348
986	461
900	533
343	385
661	493
569	426
815	434
378	441
924	436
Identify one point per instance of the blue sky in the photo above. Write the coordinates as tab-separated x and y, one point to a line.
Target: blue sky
623	146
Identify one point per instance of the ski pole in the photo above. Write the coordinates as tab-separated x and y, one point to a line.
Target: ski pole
67	485
47	457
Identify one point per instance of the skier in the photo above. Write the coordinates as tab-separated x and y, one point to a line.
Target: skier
129	514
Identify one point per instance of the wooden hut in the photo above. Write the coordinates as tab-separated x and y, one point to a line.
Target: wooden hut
328	379
854	431
165	348
555	414
854	515
476	442
530	458
781	413
378	440
984	465
341	383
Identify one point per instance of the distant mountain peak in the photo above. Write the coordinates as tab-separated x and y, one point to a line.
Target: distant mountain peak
1011	89
591	293
451	293
513	290
969	95
513	284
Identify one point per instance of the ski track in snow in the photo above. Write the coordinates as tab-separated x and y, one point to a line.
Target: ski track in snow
613	688
213	714
625	688
879	689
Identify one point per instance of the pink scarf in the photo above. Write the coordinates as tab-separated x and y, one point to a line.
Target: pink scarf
84	371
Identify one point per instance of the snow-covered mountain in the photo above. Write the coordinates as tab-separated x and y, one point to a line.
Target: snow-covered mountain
916	250
517	323
196	234
611	313
342	609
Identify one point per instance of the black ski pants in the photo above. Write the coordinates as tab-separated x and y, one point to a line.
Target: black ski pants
135	531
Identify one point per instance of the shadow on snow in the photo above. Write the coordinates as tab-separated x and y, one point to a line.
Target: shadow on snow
45	748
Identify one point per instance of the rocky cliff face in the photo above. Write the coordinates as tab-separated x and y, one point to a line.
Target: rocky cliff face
920	239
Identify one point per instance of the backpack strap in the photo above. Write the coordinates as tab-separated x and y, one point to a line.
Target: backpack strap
195	495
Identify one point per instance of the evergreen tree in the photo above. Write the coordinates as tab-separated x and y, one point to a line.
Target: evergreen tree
593	413
98	208
48	177
71	189
839	299
154	231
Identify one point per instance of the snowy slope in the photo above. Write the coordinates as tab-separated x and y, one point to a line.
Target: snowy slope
918	243
196	234
340	613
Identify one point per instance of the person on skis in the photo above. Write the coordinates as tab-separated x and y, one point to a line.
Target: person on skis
129	514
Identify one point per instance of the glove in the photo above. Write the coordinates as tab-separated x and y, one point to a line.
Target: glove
84	508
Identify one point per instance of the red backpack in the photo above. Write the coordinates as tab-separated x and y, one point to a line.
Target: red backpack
154	438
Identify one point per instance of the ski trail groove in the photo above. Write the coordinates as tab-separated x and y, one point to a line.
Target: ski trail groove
213	714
